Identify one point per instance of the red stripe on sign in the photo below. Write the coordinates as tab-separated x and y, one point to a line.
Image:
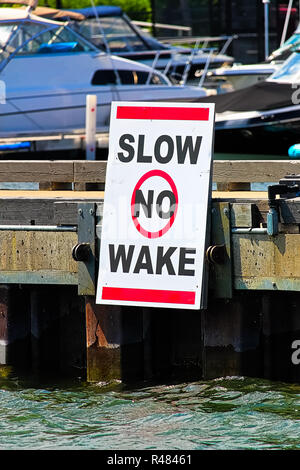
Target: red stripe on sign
148	112
148	295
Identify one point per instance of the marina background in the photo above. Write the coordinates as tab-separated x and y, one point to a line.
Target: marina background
42	412
209	18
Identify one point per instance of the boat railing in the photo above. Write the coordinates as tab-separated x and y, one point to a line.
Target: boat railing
180	29
205	40
182	78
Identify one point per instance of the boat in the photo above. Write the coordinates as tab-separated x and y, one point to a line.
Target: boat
262	118
237	76
48	70
225	79
240	76
111	30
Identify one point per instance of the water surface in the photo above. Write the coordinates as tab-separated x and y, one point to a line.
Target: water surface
223	414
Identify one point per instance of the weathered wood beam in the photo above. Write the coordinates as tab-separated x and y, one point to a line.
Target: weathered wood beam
83	171
36	171
253	171
89	171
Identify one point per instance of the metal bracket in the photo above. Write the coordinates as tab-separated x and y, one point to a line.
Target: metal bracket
84	251
221	270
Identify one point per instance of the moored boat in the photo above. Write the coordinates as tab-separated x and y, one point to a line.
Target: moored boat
110	29
262	118
48	69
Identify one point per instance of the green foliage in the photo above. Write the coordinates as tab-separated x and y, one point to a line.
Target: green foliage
135	9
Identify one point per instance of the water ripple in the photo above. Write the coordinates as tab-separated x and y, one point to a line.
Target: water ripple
226	413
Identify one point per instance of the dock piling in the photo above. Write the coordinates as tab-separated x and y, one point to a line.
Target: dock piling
49	253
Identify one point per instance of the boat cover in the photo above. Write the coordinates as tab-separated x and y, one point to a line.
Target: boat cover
262	96
53	13
101	11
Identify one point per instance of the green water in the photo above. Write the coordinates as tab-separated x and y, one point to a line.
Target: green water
222	414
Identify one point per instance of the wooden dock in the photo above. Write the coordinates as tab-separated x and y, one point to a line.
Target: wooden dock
55	145
50	243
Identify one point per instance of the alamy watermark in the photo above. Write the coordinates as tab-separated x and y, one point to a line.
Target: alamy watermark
296	93
296	354
2	92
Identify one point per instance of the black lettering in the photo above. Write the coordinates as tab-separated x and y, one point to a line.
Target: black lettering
141	158
120	255
168	214
183	260
140	200
164	259
188	147
144	261
127	147
157	149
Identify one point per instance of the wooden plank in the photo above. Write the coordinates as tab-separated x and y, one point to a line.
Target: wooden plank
26	212
89	171
255	171
82	171
65	213
22	194
36	171
39	211
239	196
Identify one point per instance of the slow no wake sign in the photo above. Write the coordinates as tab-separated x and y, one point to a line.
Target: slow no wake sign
157	190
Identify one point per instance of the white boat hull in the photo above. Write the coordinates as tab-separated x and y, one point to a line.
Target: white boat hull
49	102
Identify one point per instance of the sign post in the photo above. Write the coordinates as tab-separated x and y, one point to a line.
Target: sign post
157	191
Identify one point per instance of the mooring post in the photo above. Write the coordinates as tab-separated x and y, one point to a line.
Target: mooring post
114	338
103	341
4	308
281	336
231	336
45	329
14	326
90	126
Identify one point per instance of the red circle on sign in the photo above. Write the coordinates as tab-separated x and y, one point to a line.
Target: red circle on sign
138	226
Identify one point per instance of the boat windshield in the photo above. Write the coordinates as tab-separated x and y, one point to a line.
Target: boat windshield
27	38
119	35
285	50
289	72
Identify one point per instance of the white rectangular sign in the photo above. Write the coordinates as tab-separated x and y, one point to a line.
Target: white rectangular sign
158	182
